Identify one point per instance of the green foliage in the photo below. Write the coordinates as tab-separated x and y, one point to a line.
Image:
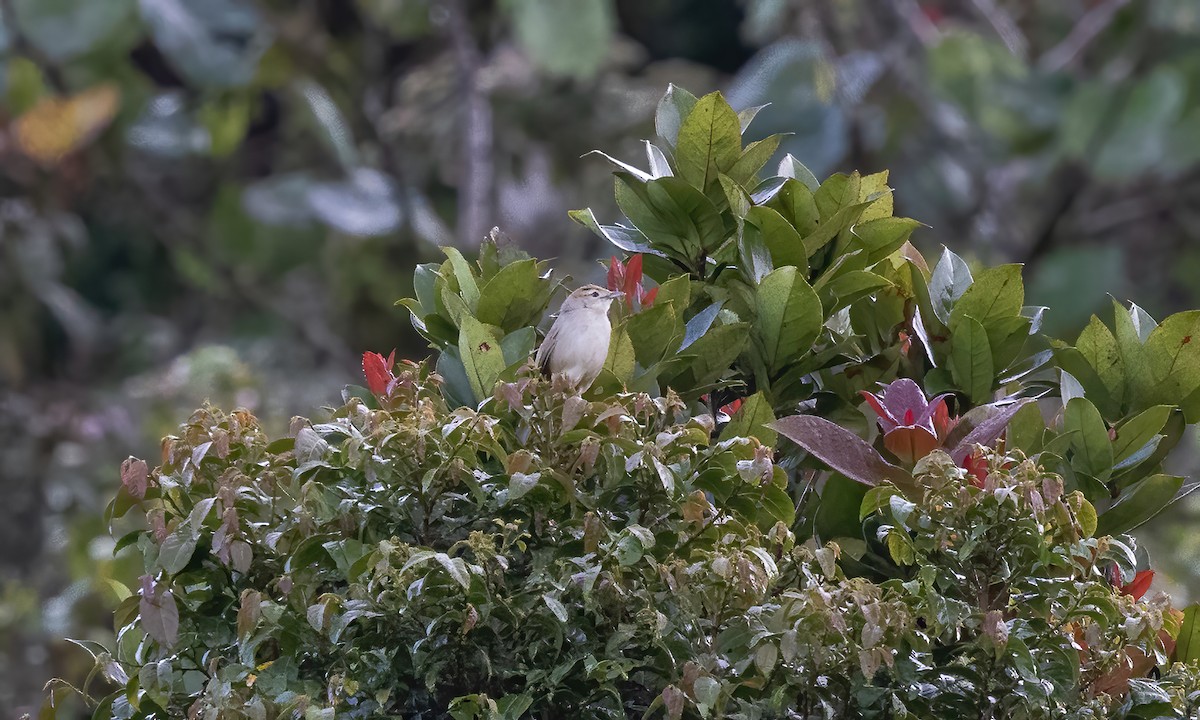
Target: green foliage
475	542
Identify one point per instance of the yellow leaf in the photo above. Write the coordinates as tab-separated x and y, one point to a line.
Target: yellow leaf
56	127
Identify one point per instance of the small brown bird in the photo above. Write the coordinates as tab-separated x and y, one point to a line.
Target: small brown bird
577	344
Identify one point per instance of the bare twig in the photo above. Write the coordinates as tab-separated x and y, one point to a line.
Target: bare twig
1085	31
921	26
476	179
1005	27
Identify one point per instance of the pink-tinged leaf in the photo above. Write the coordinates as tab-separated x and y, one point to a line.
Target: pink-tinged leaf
986	432
910	443
886	420
648	297
903	396
160	615
930	417
840	449
135	476
616	274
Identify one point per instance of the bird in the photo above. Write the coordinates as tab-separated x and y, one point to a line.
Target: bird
577	345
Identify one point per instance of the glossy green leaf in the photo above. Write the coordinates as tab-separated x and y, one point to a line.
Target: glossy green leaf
950	280
789	317
481	354
752	419
1137	431
1138	503
709	142
970	360
1092	451
674	107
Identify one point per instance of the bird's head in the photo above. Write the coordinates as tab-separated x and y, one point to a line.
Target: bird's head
590	297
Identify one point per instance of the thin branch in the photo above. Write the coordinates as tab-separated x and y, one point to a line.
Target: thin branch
476	168
1094	22
918	22
1005	27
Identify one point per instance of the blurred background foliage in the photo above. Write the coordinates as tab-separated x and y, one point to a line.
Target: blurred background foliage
221	199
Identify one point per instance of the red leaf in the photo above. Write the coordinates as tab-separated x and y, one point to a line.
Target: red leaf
648	297
616	274
976	466
633	276
732	407
1139	586
840	449
377	372
886	420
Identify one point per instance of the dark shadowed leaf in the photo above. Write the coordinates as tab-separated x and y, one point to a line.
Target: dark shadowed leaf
1138	503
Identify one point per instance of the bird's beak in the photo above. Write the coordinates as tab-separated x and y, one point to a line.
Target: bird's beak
614	294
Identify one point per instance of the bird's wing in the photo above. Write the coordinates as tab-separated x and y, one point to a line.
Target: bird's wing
547	349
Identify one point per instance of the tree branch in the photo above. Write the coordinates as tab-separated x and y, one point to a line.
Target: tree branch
1085	31
476	169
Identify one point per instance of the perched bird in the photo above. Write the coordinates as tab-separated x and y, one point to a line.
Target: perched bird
577	344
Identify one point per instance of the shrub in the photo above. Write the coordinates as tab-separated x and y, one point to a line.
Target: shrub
815	479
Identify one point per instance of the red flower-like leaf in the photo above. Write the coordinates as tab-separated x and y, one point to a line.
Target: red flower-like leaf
648	297
1138	586
976	466
378	371
616	274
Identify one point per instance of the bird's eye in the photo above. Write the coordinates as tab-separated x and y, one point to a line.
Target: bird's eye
595	294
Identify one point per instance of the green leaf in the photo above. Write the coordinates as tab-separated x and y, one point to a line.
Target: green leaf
790	167
838	192
832	227
753	158
653	331
1093	453
996	294
709	358
518	345
467	287
1136	432
1099	347
838	511
676	291
481	354
1173	355
900	547
514	297
970	360
177	548
1187	644
673	109
709	143
1026	429
566	39
676	218
795	203
624	238
621	356
1140	502
845	289
883	236
951	278
789	317
874	189
780	237
752	419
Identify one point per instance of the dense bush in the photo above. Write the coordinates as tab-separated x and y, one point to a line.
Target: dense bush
473	541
